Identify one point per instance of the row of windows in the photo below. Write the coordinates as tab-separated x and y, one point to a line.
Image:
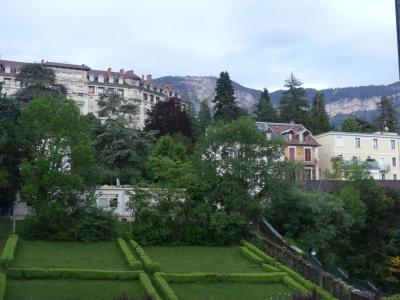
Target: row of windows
307	154
355	158
357	141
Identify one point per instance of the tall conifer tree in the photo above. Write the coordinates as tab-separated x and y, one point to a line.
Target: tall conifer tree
204	116
265	110
387	115
319	119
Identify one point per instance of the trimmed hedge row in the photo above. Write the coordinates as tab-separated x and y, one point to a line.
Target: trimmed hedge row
254	258
149	265
289	281
163	286
133	263
147	286
2	285
253	248
7	256
234	277
269	268
87	274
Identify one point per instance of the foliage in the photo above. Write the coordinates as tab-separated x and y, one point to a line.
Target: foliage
151	293
254	258
133	263
352	171
164	287
2	286
387	115
357	125
37	81
265	110
319	119
225	106
204	116
7	256
168	117
150	266
293	102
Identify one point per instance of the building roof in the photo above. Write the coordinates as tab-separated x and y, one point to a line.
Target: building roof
14	65
107	74
282	130
381	134
66	66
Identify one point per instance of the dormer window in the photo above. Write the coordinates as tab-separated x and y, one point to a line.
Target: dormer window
18	70
91	77
101	78
301	137
111	79
8	69
120	80
290	136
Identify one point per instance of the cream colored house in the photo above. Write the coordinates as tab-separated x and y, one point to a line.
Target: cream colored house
380	149
85	86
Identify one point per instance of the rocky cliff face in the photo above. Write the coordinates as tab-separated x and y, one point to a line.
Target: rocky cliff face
340	102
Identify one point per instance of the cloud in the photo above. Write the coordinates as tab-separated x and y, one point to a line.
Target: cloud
325	43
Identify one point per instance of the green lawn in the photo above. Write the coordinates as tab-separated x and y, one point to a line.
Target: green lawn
231	291
201	259
70	289
45	254
5	230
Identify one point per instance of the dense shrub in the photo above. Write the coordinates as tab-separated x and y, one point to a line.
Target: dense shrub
289	281
163	286
148	287
87	274
2	285
7	256
253	248
88	224
150	266
133	263
269	268
254	258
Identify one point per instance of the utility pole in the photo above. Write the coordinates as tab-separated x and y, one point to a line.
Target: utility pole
397	4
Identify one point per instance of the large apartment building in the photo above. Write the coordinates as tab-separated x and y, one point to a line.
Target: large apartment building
380	150
299	145
85	86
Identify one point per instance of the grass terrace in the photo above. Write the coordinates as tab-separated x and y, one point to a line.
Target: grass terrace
186	259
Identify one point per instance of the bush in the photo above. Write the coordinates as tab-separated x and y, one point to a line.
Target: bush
150	266
253	248
164	287
289	281
7	256
251	256
87	274
269	268
133	263
2	285
147	286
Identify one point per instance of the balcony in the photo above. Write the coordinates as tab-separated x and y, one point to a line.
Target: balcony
384	168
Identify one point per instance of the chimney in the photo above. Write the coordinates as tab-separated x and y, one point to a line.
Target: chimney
121	71
142	77
109	72
149	78
42	61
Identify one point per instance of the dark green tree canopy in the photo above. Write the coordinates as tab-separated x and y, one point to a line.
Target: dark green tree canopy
388	116
225	106
168	117
204	115
357	125
293	102
319	119
265	110
38	81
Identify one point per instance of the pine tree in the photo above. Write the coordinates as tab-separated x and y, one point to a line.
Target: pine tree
319	119
225	106
204	116
265	110
294	105
387	115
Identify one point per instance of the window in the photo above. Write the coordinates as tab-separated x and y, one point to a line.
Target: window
383	176
121	93
7	81
358	144
145	97
292	153
393	161
375	141
111	79
120	80
17	83
339	141
307	154
103	202
308	174
392	145
110	90
100	90
8	69
101	78
151	98
340	156
394	176
91	78
290	136
354	158
91	90
157	99
18	70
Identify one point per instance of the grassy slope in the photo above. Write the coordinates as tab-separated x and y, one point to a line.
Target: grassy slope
103	255
70	289
5	230
231	291
201	259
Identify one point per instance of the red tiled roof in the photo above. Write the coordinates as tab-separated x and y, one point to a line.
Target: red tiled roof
280	128
68	66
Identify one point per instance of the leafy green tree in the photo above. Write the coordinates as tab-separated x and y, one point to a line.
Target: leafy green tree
351	125
204	115
265	110
388	116
319	119
352	171
38	81
293	102
168	117
225	106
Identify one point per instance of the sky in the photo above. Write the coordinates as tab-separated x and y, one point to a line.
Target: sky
325	43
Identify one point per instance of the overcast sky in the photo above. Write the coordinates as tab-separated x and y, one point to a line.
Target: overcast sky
326	43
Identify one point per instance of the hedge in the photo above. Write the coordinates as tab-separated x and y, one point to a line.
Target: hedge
253	248
87	274
147	286
150	266
163	286
7	256
289	281
269	268
133	263
2	285
251	256
305	283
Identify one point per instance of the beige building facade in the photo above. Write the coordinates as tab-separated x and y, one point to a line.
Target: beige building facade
380	150
85	86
